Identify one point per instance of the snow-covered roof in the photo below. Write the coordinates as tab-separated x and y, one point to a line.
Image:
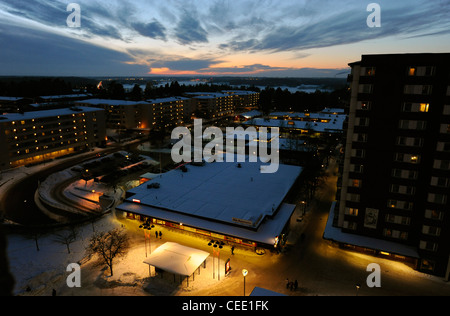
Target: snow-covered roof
65	96
208	95
12	99
259	291
220	191
333	110
220	197
110	102
10	117
335	124
177	259
251	114
165	100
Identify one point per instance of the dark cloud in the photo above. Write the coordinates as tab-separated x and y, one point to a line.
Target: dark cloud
189	30
33	52
348	27
153	30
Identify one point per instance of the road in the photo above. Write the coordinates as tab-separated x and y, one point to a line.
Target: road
18	202
320	267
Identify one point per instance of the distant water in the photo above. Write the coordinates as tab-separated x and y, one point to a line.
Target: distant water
301	88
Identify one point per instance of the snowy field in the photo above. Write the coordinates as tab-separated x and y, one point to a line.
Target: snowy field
37	273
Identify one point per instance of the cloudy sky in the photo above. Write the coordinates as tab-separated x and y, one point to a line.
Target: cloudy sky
282	38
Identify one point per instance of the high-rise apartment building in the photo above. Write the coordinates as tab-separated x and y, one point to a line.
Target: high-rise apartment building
395	183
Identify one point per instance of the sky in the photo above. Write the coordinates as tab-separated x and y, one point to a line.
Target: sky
252	38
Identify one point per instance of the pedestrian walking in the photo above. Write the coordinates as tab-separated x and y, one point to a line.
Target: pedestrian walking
295	285
156	234
232	250
160	234
287	283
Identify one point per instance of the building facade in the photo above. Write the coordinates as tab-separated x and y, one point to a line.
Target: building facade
150	114
119	114
213	105
395	183
34	137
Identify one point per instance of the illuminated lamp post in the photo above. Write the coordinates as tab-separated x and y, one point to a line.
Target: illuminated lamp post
219	245
244	273
147	226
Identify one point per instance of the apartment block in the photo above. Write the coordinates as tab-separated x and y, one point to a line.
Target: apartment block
150	114
33	137
395	183
119	114
211	105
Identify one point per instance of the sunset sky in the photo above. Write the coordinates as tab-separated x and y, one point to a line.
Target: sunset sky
283	38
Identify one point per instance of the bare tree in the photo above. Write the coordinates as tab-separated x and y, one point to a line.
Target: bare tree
67	237
108	246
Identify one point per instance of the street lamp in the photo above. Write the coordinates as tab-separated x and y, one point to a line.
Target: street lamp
357	288
147	226
244	273
303	207
218	245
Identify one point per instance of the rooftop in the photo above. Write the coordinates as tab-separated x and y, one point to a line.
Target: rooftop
110	102
335	123
11	117
221	192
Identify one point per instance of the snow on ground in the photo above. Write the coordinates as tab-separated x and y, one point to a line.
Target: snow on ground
37	270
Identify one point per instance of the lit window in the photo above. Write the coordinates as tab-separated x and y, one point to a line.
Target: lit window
424	107
412	71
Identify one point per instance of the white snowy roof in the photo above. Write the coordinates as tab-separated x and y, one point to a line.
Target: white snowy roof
165	100
220	191
65	96
335	124
178	259
251	114
10	117
110	102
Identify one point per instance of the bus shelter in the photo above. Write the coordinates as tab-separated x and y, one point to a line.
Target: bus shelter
177	259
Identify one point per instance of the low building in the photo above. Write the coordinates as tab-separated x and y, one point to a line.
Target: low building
232	202
309	124
33	137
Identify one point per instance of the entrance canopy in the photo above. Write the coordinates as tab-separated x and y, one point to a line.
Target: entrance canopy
177	259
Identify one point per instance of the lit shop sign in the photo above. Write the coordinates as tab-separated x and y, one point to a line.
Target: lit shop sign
242	221
246	221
